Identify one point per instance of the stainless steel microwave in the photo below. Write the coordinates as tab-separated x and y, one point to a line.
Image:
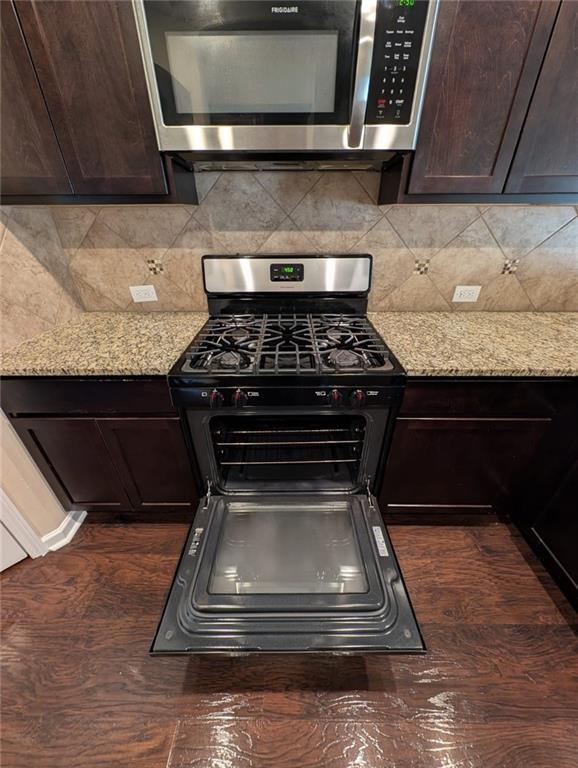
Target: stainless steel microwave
311	75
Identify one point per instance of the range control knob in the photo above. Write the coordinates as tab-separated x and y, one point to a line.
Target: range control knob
335	397
357	398
216	399
239	398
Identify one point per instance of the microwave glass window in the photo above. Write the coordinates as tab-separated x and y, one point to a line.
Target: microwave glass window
253	72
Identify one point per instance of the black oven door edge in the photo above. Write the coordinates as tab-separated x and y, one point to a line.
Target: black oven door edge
288	574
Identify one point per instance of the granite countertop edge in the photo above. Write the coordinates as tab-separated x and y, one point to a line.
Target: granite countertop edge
427	344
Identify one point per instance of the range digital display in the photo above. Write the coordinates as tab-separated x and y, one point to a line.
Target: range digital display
286	273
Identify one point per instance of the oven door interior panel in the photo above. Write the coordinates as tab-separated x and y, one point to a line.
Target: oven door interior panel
288	574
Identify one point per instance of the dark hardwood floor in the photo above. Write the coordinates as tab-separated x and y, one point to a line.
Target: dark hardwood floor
498	687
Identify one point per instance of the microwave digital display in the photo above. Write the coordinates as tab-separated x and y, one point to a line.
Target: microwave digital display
286	272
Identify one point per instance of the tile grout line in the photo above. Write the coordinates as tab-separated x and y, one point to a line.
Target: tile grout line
459	234
255	175
360	185
381	218
557	231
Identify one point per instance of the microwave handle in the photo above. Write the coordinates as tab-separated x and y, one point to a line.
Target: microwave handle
362	73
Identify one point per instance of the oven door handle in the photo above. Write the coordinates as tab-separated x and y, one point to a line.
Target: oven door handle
362	73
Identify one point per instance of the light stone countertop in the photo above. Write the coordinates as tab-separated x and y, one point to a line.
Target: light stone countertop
106	344
482	343
426	344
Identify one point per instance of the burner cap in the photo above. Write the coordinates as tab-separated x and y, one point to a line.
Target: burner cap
345	358
228	360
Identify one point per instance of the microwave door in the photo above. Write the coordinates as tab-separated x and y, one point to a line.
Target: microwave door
288	573
253	75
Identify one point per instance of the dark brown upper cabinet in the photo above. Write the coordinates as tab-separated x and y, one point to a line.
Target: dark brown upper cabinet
547	155
87	60
486	59
30	157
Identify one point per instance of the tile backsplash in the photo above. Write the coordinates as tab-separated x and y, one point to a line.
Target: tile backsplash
58	261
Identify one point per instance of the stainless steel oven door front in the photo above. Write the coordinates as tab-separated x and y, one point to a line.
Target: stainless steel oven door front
288	574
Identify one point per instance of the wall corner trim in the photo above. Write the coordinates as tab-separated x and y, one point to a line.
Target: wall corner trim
24	534
65	531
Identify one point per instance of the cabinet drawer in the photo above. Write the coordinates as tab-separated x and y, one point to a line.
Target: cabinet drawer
492	398
78	397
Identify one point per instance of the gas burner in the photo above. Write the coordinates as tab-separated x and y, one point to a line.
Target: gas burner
228	360
345	359
287	343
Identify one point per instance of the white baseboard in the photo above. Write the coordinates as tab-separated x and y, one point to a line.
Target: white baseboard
65	531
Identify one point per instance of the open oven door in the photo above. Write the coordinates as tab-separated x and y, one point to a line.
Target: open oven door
288	573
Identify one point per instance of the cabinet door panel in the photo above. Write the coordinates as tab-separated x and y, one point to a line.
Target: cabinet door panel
87	58
547	155
485	61
30	158
74	459
557	528
437	462
152	458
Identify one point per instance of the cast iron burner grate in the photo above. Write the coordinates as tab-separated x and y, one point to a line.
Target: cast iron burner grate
287	343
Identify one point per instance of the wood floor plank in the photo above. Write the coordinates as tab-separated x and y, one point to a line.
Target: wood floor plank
496	689
387	744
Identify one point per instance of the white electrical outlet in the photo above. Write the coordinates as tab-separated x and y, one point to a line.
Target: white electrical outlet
467	292
143	293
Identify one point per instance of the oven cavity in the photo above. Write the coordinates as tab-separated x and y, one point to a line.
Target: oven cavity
299	451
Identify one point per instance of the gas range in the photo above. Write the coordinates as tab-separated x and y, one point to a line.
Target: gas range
288	398
293	334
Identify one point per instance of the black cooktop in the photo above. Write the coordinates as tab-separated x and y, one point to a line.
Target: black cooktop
265	344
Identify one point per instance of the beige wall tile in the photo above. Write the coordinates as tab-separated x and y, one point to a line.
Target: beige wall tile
18	324
68	309
287	188
146	226
182	263
549	274
96	252
287	239
4	216
34	229
370	181
105	266
427	228
26	282
416	294
519	228
393	263
72	224
502	293
472	258
336	213
240	212
205	181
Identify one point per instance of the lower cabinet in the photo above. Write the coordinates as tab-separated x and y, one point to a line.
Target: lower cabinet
554	534
455	463
472	445
124	464
151	458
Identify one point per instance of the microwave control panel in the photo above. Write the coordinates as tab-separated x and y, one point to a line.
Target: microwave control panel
399	30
